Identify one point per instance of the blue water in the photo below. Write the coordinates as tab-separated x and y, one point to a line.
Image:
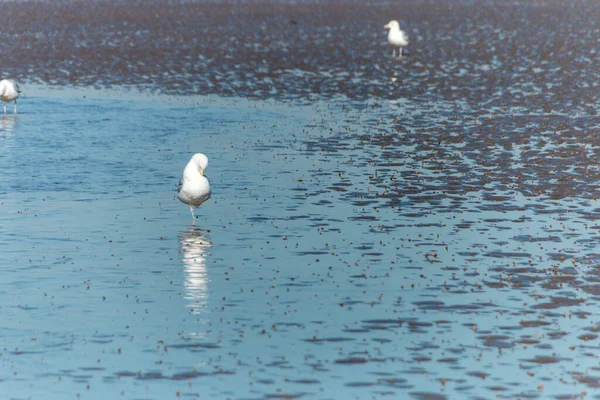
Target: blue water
341	255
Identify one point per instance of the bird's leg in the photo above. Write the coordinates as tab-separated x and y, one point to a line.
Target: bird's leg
15	106
4	108
193	215
400	53
393	52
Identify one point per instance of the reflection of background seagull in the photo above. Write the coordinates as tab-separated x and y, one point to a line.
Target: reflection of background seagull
194	188
194	246
396	37
9	91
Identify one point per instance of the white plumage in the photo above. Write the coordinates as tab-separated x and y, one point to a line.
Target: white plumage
194	188
9	91
396	37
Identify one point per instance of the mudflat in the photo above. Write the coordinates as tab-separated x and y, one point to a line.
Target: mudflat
488	51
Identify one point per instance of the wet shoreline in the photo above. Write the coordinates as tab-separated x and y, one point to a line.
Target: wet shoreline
538	55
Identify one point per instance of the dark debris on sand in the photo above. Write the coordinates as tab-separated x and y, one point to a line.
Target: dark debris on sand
474	51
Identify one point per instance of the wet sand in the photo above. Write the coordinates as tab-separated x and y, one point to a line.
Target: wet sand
541	55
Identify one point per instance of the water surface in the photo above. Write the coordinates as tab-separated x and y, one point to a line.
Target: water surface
339	257
418	229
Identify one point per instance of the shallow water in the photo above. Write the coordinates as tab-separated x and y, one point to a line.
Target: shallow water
339	257
424	228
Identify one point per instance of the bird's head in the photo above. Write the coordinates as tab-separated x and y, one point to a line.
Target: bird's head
392	24
201	162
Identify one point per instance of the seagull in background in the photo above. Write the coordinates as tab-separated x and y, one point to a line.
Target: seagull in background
396	37
9	91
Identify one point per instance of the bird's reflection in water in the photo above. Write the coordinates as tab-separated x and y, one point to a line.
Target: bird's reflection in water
194	245
7	123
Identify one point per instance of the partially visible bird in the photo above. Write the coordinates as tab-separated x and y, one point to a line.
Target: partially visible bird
396	37
9	91
194	188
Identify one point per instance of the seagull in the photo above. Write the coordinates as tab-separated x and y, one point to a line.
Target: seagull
396	37
9	91
194	188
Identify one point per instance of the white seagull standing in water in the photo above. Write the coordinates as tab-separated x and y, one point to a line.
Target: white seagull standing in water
9	91
194	188
396	37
